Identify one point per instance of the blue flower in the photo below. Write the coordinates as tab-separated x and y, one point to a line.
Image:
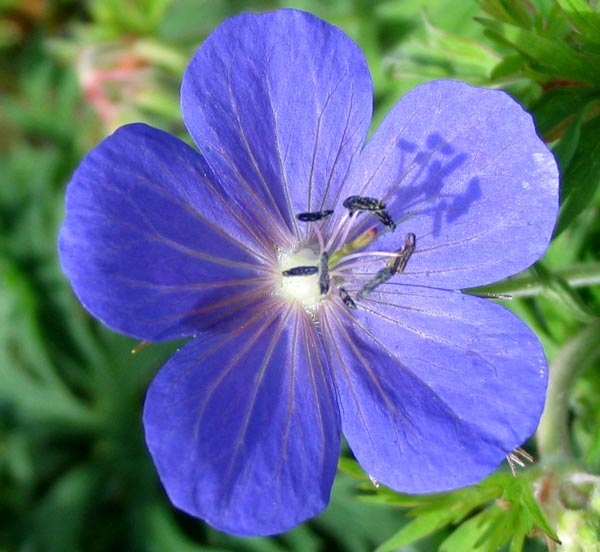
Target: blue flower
317	274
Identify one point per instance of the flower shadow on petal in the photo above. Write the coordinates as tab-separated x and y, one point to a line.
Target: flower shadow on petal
464	170
423	188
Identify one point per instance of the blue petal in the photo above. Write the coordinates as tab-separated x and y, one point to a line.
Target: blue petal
463	169
279	104
150	246
435	387
244	429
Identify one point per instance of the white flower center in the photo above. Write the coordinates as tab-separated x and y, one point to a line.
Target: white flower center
336	265
303	288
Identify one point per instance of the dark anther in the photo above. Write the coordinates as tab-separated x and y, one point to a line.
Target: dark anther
385	219
313	216
394	266
301	271
361	203
371	205
398	263
324	276
348	301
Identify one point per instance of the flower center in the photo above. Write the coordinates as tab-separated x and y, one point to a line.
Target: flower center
300	276
340	262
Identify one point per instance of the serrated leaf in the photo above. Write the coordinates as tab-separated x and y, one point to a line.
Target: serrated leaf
496	9
531	506
433	512
468	535
555	58
583	17
422	526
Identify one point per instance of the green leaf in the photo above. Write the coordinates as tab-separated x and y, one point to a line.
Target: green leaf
528	284
577	355
446	55
551	56
352	468
470	534
497	10
508	67
435	511
354	525
583	17
510	512
164	534
508	519
558	107
569	142
533	510
118	18
60	516
582	178
557	289
518	539
425	524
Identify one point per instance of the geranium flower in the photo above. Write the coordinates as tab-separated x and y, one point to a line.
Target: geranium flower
317	274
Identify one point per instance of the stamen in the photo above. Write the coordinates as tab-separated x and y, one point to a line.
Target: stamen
301	271
515	457
312	216
364	257
374	481
320	239
381	277
141	345
357	243
324	276
385	219
371	205
362	203
403	254
348	301
398	264
344	225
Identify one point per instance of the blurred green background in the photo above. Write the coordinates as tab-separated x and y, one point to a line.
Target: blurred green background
74	471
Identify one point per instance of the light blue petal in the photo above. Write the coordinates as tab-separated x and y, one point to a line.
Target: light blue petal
244	429
435	388
151	246
464	170
279	104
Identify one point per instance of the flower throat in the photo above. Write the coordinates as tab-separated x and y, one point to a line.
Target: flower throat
308	275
